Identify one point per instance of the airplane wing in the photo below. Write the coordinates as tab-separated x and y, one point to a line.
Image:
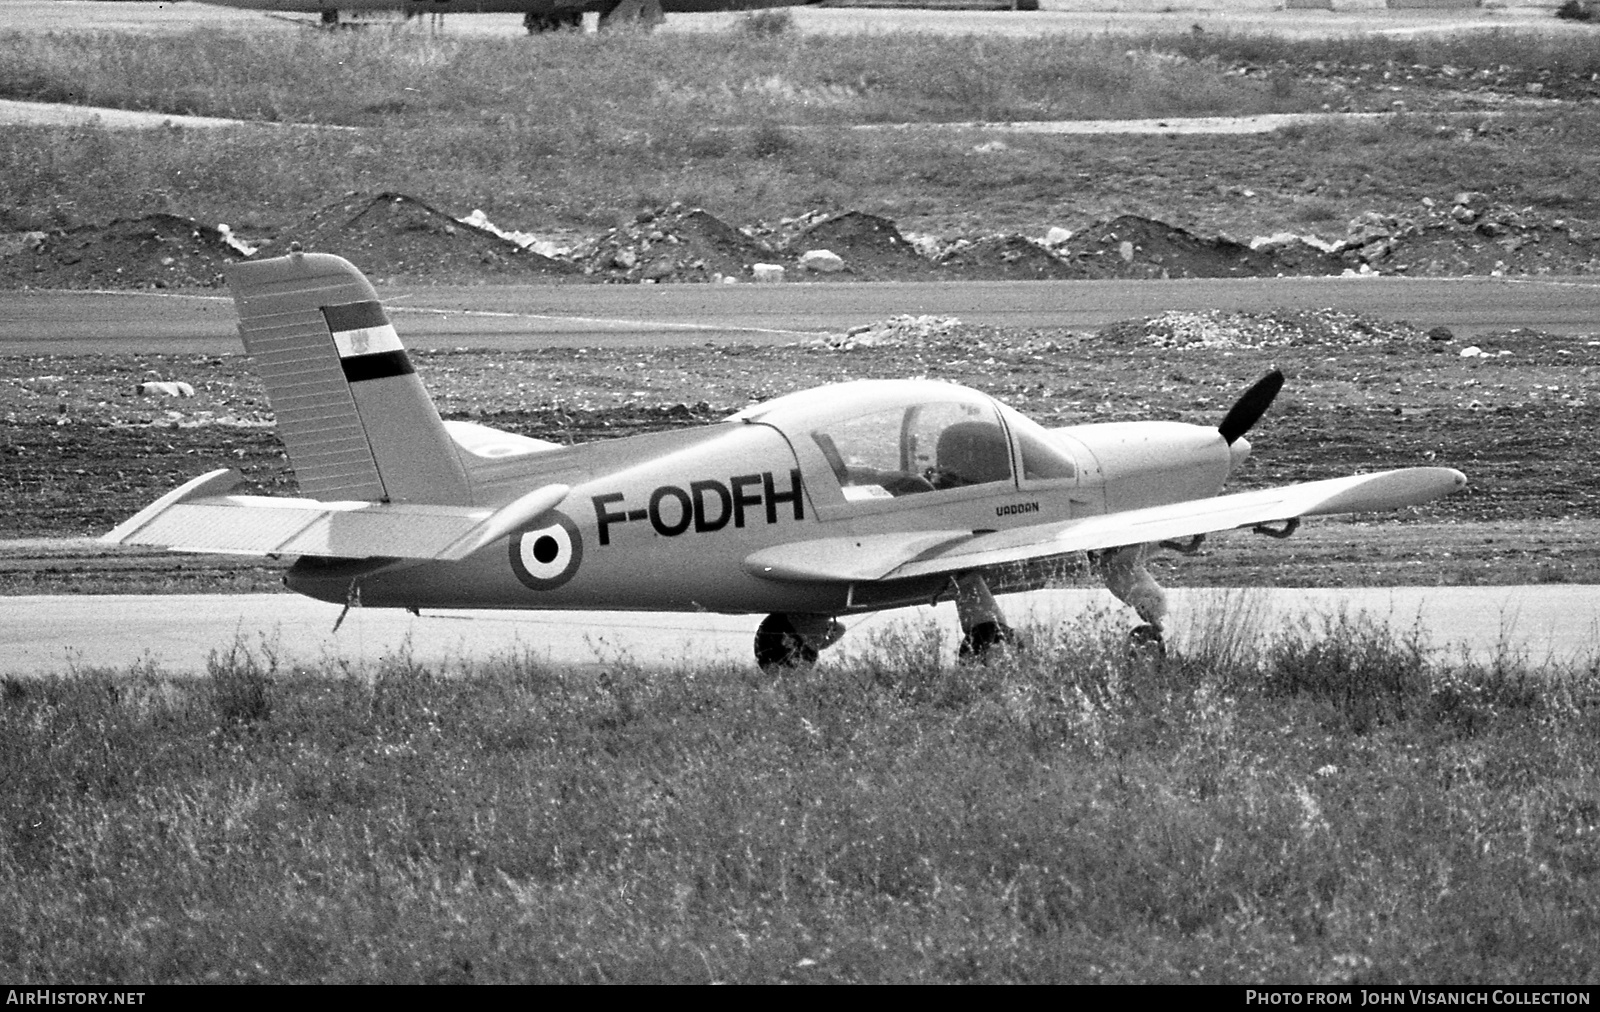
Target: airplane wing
201	517
922	553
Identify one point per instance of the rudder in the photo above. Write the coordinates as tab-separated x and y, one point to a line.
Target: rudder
352	413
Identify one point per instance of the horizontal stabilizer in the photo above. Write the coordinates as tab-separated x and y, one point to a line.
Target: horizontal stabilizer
898	556
197	518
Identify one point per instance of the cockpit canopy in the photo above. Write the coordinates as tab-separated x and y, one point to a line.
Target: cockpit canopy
883	439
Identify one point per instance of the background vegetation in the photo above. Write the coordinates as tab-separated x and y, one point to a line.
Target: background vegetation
579	131
1331	803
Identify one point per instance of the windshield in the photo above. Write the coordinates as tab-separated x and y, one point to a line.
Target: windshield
921	448
1043	459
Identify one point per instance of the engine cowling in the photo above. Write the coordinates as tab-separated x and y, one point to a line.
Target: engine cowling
1154	463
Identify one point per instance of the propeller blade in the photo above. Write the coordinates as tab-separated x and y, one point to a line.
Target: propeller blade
1247	411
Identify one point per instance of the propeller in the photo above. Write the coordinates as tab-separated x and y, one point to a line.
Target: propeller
1247	411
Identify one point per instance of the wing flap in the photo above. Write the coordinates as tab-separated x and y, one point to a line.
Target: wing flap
853	559
899	556
194	518
211	525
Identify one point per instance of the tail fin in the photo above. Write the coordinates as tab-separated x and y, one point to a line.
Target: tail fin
355	418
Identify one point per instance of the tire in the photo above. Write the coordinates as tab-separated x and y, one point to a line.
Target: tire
984	636
1146	641
779	646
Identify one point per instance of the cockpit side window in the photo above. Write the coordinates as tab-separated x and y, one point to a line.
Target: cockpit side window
920	448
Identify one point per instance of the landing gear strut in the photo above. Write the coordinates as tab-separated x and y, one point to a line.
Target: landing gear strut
983	628
785	640
642	14
1128	578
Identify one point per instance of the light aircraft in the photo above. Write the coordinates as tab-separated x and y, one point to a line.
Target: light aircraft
537	15
835	501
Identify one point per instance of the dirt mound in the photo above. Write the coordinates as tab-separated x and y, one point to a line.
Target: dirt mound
1133	247
1007	258
872	248
1274	329
1471	236
674	244
393	235
895	332
156	251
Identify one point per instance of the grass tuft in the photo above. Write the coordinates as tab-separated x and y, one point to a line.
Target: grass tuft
242	679
1359	666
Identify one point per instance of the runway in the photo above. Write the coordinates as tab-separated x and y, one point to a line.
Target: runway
518	317
59	635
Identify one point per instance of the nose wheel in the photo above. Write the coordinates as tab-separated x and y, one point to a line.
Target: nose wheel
1146	641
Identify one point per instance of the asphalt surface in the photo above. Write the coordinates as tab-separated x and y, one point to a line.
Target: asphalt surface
46	635
15	113
542	316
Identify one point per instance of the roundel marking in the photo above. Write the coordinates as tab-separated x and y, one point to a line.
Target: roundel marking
548	553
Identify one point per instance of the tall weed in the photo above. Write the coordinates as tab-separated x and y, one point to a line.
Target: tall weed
241	680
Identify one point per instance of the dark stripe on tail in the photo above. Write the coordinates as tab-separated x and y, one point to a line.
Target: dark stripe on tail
378	366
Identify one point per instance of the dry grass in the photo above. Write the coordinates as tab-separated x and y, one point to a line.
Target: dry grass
1284	808
627	82
750	126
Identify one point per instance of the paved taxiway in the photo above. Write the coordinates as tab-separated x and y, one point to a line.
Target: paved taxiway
43	635
517	317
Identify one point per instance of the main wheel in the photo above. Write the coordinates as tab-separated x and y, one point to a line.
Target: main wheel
779	646
985	636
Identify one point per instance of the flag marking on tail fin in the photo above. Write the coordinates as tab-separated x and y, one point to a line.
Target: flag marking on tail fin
368	346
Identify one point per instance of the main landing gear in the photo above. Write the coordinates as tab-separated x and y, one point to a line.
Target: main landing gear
553	21
983	628
786	640
789	640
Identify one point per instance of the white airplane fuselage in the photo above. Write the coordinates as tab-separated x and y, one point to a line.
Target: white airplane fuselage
665	521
